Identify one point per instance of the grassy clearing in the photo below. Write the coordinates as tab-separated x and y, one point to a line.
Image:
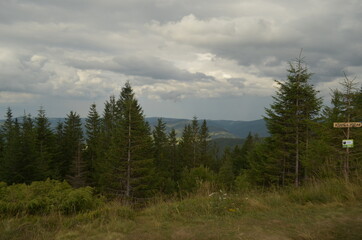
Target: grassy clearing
328	210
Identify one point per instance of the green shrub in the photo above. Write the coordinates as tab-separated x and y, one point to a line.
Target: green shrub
44	197
192	179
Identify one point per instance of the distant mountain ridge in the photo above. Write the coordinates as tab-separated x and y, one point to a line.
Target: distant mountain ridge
217	128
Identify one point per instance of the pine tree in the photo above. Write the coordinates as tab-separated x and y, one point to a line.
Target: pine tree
11	140
264	170
226	173
71	140
59	151
204	137
93	143
108	170
28	172
240	155
289	118
45	146
173	155
137	146
195	142
128	166
163	166
186	147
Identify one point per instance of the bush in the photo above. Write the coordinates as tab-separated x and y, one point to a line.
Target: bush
192	179
44	197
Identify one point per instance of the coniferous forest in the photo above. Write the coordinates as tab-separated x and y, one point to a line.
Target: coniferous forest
118	155
118	158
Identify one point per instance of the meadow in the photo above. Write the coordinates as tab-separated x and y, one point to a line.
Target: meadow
331	209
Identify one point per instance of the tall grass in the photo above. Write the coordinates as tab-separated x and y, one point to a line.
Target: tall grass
319	210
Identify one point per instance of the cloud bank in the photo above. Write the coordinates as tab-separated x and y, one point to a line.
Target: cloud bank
173	52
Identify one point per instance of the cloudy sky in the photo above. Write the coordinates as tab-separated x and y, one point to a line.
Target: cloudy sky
213	59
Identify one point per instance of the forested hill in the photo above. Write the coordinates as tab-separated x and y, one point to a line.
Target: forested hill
217	128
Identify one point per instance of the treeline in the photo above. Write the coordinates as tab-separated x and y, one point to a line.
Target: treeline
120	156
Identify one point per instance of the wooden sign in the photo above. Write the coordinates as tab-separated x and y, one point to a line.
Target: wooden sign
347	124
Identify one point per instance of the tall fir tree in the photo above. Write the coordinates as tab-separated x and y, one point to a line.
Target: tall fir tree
173	155
71	141
11	154
137	145
45	146
108	165
129	166
204	146
93	143
289	119
162	160
186	147
28	157
240	155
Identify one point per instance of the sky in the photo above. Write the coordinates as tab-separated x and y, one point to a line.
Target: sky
210	59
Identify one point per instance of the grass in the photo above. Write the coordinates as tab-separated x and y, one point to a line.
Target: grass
328	210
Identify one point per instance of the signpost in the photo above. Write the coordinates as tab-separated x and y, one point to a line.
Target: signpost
347	143
347	124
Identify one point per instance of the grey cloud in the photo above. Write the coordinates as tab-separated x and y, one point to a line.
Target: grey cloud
237	82
86	49
151	67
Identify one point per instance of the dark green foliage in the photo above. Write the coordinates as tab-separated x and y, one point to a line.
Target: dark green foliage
27	168
44	197
194	145
289	119
186	147
226	173
92	153
240	155
264	169
70	137
192	179
11	154
45	147
173	155
128	168
163	157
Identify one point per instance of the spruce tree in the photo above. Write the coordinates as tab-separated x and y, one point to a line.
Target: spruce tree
28	171
173	155
108	170
186	147
226	173
136	154
162	160
45	146
204	137
240	155
11	168
195	142
289	119
93	143
128	164
72	137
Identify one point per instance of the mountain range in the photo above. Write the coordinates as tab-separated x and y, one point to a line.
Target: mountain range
217	128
